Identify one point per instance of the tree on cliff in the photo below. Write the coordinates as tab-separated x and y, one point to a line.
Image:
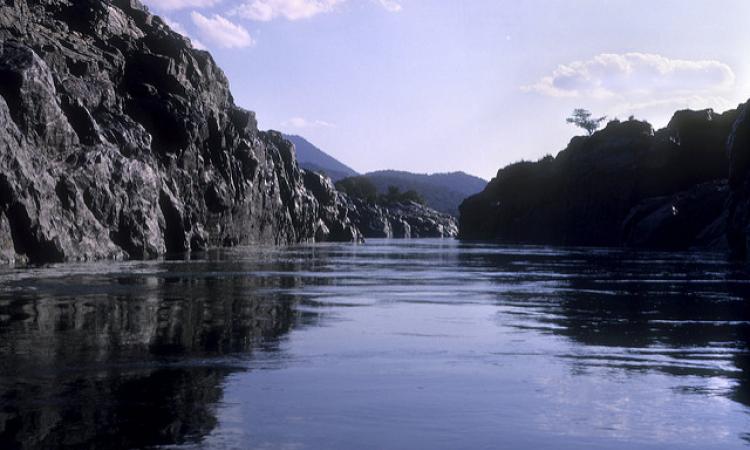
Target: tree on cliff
582	118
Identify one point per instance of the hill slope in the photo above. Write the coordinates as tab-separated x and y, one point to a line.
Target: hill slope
312	158
441	191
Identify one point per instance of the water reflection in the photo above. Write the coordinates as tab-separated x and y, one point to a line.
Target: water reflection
685	315
135	357
393	344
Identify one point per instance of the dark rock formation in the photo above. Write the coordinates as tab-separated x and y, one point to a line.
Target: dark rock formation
626	184
118	139
691	218
738	210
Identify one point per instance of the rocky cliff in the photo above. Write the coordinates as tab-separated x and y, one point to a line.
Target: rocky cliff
625	185
118	139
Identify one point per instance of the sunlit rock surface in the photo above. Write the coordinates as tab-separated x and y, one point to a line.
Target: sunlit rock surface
118	139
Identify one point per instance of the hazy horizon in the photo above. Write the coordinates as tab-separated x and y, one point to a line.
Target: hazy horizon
439	86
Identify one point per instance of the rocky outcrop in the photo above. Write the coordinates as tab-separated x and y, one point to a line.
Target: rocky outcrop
344	218
625	185
333	223
738	210
118	139
691	218
401	220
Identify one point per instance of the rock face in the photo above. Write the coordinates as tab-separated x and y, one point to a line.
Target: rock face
625	185
738	210
118	139
334	223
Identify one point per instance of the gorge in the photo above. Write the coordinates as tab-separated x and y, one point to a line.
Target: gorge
121	140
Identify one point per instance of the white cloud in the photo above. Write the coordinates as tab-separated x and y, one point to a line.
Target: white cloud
635	75
301	122
169	5
646	85
265	10
390	5
177	27
221	31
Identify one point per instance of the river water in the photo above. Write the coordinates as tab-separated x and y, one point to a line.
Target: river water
423	344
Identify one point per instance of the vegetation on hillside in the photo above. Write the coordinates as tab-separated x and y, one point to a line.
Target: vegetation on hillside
364	189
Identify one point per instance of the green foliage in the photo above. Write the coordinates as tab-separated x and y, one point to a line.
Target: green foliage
358	187
582	118
362	188
394	195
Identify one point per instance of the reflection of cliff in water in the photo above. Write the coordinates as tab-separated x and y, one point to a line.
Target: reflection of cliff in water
676	314
120	361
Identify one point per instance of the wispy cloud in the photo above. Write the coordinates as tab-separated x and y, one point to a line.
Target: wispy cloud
221	32
266	10
177	27
302	123
170	5
390	5
634	74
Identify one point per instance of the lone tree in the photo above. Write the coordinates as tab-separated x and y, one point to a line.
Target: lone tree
582	118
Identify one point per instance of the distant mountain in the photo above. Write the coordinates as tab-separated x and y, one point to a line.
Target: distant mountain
441	191
312	158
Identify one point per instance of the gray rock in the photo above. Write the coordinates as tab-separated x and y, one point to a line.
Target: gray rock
120	140
334	224
401	220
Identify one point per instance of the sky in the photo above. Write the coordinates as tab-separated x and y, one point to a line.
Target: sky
473	85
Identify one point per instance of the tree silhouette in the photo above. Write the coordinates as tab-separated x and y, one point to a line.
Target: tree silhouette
582	118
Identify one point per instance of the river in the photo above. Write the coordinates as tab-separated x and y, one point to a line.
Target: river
416	344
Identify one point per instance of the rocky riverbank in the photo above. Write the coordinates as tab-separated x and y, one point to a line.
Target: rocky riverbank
347	218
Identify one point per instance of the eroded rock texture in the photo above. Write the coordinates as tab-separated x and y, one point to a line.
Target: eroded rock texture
118	139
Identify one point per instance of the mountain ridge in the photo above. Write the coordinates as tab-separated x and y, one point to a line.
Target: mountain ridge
443	191
311	157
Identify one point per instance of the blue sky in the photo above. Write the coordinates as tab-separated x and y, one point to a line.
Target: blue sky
472	85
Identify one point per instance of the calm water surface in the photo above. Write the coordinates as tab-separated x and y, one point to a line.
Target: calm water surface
406	345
